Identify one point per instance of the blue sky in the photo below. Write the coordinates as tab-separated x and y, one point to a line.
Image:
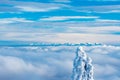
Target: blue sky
60	20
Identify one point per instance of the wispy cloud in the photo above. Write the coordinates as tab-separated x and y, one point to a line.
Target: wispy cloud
103	0
60	37
95	30
21	6
36	9
97	9
106	20
79	19
98	26
60	18
13	20
111	11
63	1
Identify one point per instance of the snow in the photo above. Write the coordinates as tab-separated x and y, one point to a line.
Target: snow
83	69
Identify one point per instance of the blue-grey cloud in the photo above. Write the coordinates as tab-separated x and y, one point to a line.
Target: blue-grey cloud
55	62
106	60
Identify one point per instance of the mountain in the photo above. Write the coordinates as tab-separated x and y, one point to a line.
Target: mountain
83	69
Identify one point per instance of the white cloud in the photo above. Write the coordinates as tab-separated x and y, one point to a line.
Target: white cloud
103	0
36	9
98	9
95	30
111	11
60	18
106	61
37	62
13	20
25	62
60	37
63	1
77	38
106	70
99	26
106	20
30	6
21	68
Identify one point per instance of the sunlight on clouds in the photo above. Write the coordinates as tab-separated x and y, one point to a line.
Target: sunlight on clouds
77	38
107	20
61	37
95	30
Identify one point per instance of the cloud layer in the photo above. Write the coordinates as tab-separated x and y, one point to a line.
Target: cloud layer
56	17
55	63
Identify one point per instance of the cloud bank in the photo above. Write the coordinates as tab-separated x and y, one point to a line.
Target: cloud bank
56	63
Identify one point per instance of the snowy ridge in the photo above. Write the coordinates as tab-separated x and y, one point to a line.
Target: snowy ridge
83	69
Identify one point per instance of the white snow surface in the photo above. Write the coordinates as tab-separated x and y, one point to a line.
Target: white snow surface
83	69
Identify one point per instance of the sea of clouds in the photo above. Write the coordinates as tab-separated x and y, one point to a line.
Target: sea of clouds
56	63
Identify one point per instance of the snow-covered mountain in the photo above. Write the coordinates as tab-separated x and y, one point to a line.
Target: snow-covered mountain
83	69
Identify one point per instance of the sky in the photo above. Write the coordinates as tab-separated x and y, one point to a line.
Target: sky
74	21
58	21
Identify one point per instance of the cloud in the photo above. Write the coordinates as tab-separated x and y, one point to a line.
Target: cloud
103	0
107	20
112	11
61	18
13	20
22	6
99	30
60	37
37	62
98	26
36	9
95	30
10	9
105	60
16	66
31	6
78	25
63	1
97	9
